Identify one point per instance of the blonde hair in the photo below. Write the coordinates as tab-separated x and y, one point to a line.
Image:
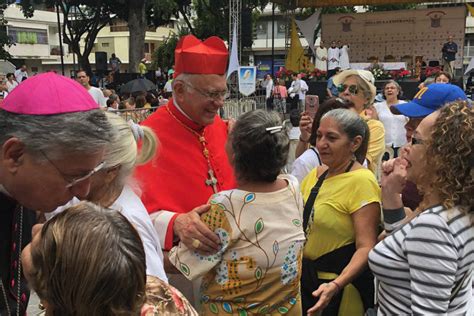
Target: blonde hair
89	261
123	150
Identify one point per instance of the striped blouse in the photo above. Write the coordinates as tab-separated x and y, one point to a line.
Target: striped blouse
419	265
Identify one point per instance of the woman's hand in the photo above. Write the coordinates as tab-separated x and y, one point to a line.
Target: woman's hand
394	174
306	122
325	292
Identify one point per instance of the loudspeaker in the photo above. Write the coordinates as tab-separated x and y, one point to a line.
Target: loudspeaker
247	27
101	61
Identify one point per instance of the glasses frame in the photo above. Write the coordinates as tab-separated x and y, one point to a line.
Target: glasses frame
353	89
75	181
218	95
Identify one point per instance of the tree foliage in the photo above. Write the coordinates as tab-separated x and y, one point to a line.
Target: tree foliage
390	7
164	56
5	40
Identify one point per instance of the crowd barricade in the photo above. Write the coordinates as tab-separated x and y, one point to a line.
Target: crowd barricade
236	104
136	115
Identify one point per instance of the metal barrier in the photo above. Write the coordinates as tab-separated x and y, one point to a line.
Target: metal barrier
136	115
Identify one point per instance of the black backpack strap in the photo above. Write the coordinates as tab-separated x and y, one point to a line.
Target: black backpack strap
308	207
317	155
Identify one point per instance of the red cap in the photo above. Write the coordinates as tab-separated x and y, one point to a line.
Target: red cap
195	57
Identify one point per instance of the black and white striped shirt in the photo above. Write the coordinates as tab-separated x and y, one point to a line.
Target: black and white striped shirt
419	265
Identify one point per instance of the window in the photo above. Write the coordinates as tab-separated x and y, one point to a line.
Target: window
28	36
105	44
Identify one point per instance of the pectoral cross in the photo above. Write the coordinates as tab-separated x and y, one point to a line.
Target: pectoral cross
212	181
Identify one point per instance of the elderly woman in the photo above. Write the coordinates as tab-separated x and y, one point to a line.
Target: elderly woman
358	87
394	124
426	266
310	158
259	224
110	187
341	215
52	137
87	261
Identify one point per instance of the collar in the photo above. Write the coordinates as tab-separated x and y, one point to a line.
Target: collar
183	117
4	191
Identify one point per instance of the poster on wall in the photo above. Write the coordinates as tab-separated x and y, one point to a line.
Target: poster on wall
397	36
247	80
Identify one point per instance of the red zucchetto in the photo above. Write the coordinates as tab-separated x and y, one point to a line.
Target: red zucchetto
193	56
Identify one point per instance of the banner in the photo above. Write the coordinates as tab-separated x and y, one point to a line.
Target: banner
247	80
398	36
308	27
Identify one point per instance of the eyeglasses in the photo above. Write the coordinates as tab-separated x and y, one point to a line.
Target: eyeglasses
215	95
417	141
73	182
353	89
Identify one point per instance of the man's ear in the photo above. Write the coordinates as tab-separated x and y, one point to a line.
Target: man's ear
178	90
12	154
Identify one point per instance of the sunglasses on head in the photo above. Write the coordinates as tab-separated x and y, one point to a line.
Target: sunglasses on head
353	89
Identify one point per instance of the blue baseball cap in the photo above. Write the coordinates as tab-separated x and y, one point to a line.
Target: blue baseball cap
430	99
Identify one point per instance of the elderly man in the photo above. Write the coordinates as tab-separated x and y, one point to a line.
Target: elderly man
191	163
52	138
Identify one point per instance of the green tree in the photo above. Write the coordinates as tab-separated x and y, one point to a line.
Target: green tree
164	56
390	7
5	40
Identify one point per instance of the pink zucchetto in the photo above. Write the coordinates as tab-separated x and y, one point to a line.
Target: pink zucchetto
48	94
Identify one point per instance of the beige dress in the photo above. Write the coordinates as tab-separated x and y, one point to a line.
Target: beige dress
258	268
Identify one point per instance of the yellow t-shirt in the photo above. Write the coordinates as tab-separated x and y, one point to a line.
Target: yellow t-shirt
338	198
376	143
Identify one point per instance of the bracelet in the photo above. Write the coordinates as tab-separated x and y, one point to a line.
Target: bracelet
337	285
304	141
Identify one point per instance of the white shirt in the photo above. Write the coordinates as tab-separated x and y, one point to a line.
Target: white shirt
98	96
11	85
394	124
333	58
268	88
20	74
305	163
303	90
320	54
130	205
168	86
344	57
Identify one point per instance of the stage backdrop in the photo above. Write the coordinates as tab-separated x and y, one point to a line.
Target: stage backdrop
397	33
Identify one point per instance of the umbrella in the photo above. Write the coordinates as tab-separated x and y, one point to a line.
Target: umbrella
137	85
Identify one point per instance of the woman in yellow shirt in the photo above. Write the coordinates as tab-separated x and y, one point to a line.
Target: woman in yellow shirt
342	221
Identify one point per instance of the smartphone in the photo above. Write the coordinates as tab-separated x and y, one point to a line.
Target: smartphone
311	105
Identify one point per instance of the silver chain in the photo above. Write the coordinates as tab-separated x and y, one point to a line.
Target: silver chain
5	297
20	239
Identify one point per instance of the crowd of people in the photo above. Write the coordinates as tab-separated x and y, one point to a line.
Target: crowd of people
190	214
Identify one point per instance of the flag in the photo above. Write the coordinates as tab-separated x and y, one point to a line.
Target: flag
470	8
295	59
234	56
308	27
470	66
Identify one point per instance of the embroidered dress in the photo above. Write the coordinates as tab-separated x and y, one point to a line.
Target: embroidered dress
258	267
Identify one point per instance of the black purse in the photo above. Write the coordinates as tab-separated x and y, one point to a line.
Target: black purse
333	262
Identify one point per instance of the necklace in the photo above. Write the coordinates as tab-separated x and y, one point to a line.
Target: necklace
211	181
18	278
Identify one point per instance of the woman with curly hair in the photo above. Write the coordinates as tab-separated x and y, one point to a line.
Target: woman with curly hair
425	267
